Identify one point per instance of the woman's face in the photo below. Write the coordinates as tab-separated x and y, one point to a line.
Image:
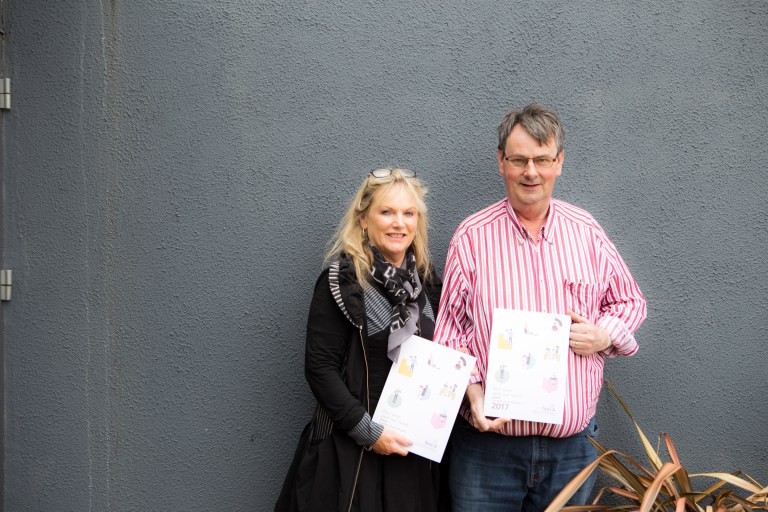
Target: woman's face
391	221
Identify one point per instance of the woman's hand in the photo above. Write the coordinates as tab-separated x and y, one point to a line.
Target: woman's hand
391	442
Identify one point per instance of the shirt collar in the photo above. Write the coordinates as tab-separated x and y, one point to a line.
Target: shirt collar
547	230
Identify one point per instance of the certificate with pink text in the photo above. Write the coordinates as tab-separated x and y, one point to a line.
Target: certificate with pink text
422	395
527	366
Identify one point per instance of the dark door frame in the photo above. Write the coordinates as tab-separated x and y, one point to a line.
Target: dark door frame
3	74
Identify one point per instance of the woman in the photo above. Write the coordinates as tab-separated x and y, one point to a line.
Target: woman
378	290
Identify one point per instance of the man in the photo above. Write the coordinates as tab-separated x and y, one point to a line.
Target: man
531	252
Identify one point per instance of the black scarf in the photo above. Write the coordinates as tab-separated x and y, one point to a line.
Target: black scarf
392	280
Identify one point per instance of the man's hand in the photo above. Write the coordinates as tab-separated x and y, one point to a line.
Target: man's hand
391	442
587	338
479	421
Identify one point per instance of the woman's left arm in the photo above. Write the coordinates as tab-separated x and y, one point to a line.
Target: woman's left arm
328	335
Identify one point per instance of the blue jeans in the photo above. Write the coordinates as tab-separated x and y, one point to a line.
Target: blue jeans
491	472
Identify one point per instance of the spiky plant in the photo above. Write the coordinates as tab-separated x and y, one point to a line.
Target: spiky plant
664	486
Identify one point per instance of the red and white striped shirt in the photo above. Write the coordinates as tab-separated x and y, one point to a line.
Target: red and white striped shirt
493	263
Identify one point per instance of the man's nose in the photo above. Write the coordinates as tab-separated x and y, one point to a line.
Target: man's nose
530	167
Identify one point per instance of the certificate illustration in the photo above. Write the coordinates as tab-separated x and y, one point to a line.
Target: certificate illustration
527	366
422	395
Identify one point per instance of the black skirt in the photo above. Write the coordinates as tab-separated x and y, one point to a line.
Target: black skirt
392	483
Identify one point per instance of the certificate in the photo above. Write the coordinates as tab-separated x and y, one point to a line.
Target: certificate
422	395
527	366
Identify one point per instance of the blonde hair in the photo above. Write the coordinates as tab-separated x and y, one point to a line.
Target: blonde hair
350	238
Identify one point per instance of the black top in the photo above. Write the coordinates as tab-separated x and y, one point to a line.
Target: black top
345	335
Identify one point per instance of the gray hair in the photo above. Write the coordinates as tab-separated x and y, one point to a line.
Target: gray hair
541	123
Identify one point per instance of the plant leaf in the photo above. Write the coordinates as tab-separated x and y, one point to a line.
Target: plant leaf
667	469
731	479
652	455
680	478
761	495
613	466
576	482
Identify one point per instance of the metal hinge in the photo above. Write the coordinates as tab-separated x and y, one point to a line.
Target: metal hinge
5	93
6	277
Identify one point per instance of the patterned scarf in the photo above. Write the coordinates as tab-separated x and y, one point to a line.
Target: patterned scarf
401	285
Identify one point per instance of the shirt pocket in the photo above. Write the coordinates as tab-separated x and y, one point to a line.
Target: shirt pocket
582	298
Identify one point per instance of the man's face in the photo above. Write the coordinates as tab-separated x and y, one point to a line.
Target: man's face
529	186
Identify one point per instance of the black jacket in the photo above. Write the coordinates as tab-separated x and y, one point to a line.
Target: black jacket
335	357
329	471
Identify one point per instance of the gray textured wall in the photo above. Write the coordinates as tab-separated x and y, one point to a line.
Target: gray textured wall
173	170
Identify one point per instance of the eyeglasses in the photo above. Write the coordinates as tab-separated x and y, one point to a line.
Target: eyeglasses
521	162
387	171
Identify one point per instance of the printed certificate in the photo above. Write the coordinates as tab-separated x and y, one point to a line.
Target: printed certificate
527	366
422	395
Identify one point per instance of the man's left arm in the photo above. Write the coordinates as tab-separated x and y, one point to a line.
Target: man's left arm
622	310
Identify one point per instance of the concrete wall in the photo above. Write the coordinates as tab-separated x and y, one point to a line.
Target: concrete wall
173	170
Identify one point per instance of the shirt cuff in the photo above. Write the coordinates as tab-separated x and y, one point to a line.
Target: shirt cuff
366	432
623	342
